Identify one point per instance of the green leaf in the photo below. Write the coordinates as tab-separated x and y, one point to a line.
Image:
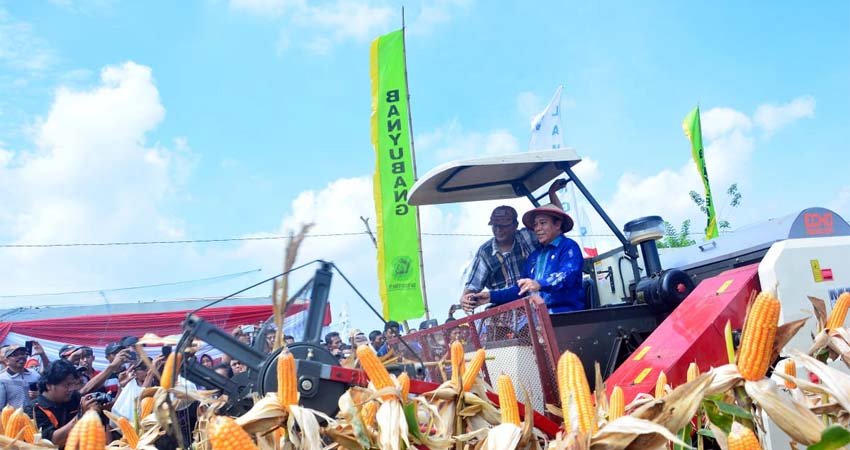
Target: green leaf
412	422
733	410
707	433
685	436
832	438
720	420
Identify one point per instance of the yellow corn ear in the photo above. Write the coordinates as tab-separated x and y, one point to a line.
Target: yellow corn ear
790	370
368	413
693	372
404	386
471	373
172	365
742	438
225	434
572	382
374	368
130	435
20	426
507	400
73	438
145	407
91	434
616	404
5	414
287	379
659	385
759	334
457	357
839	311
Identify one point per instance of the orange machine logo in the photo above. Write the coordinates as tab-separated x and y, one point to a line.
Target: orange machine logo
817	223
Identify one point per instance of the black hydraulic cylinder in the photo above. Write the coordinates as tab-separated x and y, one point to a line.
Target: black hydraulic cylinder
318	303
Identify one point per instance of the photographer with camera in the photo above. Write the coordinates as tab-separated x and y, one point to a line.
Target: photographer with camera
59	405
99	378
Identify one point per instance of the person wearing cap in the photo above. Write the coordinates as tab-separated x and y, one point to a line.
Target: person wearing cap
59	405
17	379
553	271
498	263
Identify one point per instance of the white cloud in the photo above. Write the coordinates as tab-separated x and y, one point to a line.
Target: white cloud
21	47
435	13
451	141
771	117
267	8
91	177
529	104
717	122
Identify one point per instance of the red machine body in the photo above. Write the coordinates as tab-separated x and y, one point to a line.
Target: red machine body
692	333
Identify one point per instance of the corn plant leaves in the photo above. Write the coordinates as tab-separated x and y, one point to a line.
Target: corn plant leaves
412	423
837	381
819	307
832	438
793	418
625	432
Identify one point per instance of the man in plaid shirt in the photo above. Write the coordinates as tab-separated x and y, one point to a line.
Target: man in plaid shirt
498	263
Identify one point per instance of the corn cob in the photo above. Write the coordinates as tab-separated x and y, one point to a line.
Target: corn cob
790	370
73	438
404	385
172	365
616	404
572	382
20	426
130	435
145	407
457	362
757	340
742	438
375	369
839	311
471	373
368	413
287	391
659	384
693	372
226	434
507	400
89	433
5	414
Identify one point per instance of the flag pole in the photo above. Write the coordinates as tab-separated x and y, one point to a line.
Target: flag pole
413	159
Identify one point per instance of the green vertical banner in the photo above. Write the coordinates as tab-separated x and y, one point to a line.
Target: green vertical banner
397	225
693	130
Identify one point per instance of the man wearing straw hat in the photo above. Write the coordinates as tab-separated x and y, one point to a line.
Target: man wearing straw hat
552	271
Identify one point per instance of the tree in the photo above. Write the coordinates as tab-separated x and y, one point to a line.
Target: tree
679	238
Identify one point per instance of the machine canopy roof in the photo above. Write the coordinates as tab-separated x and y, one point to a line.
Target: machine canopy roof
491	177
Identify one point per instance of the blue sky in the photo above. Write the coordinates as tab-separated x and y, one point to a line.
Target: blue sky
123	121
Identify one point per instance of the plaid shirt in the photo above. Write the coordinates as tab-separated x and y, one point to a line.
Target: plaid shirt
496	270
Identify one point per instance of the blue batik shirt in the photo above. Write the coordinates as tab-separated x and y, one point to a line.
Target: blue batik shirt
557	267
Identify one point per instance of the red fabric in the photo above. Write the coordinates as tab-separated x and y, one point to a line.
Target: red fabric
103	329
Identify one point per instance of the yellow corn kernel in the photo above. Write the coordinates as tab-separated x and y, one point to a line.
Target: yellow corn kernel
572	382
145	407
507	400
169	370
757	340
368	413
91	435
374	369
73	438
225	434
287	389
616	404
471	373
457	362
742	438
659	385
839	311
790	370
20	426
130	435
5	414
404	386
693	372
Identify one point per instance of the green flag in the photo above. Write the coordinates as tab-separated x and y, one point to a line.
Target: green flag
397	225
693	130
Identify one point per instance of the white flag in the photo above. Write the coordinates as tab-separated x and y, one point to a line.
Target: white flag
546	126
546	135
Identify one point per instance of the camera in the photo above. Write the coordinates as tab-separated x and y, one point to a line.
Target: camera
102	397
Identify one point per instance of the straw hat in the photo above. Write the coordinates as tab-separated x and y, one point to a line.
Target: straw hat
550	210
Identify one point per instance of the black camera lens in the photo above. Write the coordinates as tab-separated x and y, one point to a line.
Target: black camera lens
102	397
